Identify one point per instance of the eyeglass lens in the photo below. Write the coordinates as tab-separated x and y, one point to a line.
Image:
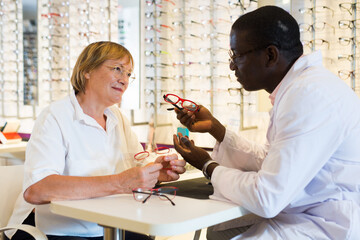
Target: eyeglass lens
164	193
187	104
140	194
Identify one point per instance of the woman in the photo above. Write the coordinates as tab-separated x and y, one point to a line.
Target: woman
82	146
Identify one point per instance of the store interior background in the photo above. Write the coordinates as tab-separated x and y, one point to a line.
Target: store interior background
179	47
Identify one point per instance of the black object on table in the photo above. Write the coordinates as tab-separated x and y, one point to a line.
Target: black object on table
199	188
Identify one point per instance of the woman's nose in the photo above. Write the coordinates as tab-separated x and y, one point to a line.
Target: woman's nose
123	77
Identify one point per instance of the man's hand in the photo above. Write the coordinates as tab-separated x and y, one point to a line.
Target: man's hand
201	121
194	155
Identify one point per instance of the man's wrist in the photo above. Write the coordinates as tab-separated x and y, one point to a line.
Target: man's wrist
208	168
217	130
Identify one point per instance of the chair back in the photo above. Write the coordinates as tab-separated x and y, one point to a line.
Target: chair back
11	180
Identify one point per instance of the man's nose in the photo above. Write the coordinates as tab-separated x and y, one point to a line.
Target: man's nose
232	66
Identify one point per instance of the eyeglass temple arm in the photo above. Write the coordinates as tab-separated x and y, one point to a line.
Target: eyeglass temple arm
169	101
163	195
147	198
159	194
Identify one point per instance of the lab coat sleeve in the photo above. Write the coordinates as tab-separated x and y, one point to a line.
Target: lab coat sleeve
306	132
235	151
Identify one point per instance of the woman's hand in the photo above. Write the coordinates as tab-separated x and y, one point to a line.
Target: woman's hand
172	167
139	177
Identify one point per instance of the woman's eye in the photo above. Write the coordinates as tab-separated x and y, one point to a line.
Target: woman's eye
118	69
129	74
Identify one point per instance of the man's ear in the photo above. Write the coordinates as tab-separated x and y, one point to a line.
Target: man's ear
273	55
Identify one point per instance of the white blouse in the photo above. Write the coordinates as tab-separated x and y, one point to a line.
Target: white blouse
66	141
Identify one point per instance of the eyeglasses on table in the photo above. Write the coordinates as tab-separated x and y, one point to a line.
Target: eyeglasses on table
167	193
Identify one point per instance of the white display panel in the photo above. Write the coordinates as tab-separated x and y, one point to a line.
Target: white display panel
129	37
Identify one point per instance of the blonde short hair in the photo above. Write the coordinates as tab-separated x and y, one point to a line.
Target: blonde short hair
92	57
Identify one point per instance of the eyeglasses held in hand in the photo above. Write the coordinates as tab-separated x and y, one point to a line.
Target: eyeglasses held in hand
164	193
141	156
187	104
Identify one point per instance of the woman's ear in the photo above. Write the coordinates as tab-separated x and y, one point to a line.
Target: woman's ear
87	76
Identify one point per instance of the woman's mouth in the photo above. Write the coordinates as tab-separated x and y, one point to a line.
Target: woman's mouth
119	87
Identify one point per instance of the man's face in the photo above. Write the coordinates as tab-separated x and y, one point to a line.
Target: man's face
247	61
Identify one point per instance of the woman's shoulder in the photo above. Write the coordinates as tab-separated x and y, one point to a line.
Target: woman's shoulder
115	110
118	114
60	106
57	109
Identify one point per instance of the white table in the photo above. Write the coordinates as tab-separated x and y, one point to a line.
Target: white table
13	147
155	217
12	153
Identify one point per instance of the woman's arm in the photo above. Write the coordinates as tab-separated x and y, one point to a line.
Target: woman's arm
58	187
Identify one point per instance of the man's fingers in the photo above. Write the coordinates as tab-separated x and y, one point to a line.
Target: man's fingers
185	141
179	113
189	122
179	146
184	119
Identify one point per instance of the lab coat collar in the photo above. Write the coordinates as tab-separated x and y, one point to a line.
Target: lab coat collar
301	64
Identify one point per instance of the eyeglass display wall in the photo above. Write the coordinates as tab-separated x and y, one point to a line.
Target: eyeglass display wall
332	27
64	32
37	55
186	46
30	61
184	51
11	59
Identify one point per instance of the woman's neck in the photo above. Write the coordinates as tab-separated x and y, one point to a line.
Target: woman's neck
92	108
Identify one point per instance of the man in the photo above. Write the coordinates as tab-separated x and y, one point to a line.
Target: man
305	183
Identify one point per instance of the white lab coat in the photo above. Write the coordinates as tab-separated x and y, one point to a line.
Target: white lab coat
305	182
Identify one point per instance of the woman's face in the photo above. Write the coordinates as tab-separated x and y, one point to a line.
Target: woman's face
107	83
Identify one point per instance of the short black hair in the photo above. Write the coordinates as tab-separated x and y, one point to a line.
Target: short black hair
272	25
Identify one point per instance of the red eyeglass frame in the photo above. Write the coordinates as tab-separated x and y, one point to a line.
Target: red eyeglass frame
182	100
